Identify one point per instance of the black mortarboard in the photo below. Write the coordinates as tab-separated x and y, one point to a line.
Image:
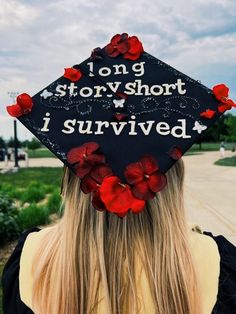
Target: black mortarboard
124	108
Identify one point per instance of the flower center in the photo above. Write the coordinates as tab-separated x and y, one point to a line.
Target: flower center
122	184
146	176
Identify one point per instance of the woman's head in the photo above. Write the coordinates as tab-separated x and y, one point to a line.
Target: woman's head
99	250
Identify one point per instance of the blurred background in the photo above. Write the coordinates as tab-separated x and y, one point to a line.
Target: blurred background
40	38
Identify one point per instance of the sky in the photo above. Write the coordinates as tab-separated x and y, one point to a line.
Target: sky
40	38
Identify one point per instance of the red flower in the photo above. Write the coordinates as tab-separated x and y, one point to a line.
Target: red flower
130	47
118	44
94	178
97	202
72	74
24	104
118	197
85	157
145	177
226	105
135	50
221	92
208	114
175	152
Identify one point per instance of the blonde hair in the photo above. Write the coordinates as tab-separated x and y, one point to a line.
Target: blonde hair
89	249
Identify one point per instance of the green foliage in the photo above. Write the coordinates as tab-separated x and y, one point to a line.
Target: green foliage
9	190
9	228
34	144
33	193
54	202
231	128
33	215
11	143
2	143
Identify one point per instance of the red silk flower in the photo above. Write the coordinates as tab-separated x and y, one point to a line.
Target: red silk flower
118	197
175	152
24	104
208	114
92	181
117	45
221	92
85	157
72	74
135	50
145	177
226	106
130	47
94	178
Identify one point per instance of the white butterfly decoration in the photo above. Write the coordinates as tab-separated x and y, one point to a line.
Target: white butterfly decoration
199	127
45	94
119	103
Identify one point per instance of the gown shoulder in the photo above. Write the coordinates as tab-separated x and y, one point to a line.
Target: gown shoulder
226	298
11	300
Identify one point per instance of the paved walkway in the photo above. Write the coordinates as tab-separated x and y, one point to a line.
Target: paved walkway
210	191
210	194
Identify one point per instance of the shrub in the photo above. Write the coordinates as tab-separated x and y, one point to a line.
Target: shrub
9	228
34	193
54	202
32	216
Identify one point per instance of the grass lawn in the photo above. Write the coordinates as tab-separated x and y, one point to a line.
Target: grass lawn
210	147
40	153
24	176
229	161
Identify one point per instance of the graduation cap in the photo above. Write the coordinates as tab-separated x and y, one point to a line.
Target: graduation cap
120	120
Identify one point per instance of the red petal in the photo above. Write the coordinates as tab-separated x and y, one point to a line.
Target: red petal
123	47
123	214
223	107
175	152
83	169
134	173
72	74
109	187
15	111
109	49
157	182
75	155
137	205
231	103
208	114
149	164
97	202
221	91
25	102
88	184
90	147
95	159
136	46
116	39
114	54
131	56
100	172
117	198
142	191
